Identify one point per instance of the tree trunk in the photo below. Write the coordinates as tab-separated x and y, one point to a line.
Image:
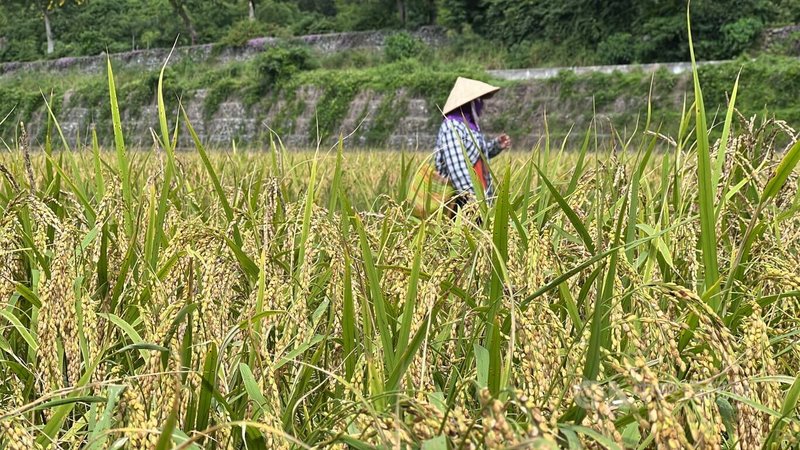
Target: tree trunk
401	10
252	5
50	42
179	8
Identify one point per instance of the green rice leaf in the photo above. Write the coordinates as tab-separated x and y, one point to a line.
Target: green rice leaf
97	435
207	388
707	191
570	213
437	443
785	168
122	157
482	365
787	410
165	439
128	330
376	295
349	320
594	435
253	390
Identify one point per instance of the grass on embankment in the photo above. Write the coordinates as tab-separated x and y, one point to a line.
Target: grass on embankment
280	72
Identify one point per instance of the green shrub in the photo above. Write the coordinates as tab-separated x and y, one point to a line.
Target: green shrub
277	12
136	93
364	15
19	50
350	59
468	45
243	31
218	93
21	101
664	39
618	48
280	63
91	42
403	46
740	35
389	113
541	53
338	89
313	24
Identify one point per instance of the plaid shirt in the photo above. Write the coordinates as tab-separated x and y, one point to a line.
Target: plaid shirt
453	136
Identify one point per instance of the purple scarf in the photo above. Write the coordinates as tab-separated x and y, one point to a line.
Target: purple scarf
464	114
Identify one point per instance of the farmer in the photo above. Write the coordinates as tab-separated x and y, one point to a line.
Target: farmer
460	134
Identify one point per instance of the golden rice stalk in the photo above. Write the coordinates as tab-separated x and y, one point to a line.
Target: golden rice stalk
497	432
539	355
58	316
15	431
16	435
712	331
660	421
703	419
10	261
600	415
758	360
782	278
134	416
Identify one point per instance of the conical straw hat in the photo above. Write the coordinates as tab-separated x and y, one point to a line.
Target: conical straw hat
465	91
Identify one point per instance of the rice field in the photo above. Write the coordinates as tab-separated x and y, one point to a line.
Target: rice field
637	293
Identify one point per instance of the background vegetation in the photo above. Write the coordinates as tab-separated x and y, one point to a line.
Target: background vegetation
281	72
535	32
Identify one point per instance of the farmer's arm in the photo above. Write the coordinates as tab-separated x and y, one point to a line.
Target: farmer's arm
488	147
495	146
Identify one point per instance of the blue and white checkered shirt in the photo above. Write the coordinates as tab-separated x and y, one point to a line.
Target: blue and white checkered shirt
454	136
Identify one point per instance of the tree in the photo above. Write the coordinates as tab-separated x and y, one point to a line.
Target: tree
357	15
360	15
401	11
622	30
180	8
413	13
325	7
251	7
455	14
46	7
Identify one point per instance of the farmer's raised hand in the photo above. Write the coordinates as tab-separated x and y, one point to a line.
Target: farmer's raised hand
505	141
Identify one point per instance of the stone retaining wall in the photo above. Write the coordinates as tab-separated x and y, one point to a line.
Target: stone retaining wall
154	58
519	109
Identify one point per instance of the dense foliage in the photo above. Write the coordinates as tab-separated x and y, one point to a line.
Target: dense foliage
631	30
564	32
